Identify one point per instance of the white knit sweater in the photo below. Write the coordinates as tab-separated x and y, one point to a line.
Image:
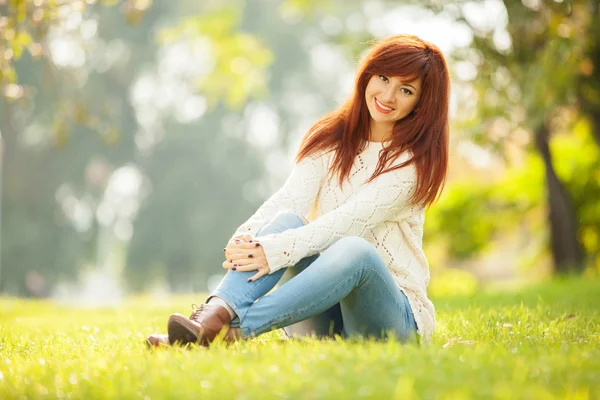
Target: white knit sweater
377	212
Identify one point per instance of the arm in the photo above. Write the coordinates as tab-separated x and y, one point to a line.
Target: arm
378	201
297	194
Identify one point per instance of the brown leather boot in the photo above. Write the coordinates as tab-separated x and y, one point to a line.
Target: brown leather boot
157	340
202	327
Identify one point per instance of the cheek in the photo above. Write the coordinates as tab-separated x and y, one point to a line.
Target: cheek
409	104
369	90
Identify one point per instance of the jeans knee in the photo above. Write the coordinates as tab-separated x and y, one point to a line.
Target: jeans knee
289	219
355	249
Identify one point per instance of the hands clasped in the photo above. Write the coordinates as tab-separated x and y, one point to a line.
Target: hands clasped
245	253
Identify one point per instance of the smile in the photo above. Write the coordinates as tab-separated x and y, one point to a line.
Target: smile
382	108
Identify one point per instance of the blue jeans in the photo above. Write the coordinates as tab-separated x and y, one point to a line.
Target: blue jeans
345	290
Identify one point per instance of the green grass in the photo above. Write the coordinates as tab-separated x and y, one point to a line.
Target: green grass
539	343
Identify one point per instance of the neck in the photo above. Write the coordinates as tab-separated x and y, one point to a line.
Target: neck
380	131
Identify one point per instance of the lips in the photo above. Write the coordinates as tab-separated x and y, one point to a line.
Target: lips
379	106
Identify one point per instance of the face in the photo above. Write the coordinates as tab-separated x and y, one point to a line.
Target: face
390	99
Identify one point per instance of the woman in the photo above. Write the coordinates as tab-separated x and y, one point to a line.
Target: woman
367	170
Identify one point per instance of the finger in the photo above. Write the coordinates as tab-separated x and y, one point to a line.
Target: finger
247	237
261	272
242	262
245	251
237	240
234	264
242	245
251	256
248	267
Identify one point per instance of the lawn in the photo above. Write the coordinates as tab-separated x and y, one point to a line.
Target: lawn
542	342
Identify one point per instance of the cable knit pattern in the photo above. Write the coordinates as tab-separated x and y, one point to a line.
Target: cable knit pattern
378	212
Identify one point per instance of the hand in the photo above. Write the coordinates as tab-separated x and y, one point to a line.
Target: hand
244	238
246	254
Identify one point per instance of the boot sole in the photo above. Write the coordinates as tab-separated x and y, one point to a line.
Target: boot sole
182	331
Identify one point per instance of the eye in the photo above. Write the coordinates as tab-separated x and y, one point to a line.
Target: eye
406	91
383	78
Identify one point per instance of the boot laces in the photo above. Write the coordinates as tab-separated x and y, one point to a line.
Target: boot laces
197	310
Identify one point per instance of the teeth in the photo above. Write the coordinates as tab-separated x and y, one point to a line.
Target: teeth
382	106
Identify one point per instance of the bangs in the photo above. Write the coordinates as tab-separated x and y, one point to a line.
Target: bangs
409	65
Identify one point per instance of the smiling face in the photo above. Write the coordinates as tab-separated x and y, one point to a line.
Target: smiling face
389	99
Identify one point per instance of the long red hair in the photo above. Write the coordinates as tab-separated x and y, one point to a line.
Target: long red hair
424	132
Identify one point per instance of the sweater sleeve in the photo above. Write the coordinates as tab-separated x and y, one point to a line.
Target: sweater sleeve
297	194
374	203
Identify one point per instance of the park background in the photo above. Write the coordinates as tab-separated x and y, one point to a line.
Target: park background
137	135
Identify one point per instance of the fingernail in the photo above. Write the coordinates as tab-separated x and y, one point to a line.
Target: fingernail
250	256
257	244
235	265
234	268
224	249
230	261
249	280
251	241
237	240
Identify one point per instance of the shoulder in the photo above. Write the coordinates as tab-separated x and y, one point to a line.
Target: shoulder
322	158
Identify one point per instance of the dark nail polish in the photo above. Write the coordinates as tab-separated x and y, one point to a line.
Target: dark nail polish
224	250
249	280
250	256
234	268
251	241
235	265
257	244
230	261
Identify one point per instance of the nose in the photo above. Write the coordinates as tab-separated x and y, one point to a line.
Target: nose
387	96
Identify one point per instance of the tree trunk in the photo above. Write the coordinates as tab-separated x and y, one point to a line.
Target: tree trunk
595	120
564	241
588	87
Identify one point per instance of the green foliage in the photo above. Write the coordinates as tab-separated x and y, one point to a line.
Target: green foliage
521	85
471	213
307	8
24	25
239	59
541	342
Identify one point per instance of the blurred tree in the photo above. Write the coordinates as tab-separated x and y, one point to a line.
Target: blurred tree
210	117
472	216
25	24
519	86
47	80
587	81
222	159
77	113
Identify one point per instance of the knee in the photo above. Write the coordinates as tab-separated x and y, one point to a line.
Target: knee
355	248
289	219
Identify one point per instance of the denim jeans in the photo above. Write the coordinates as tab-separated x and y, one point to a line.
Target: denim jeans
345	290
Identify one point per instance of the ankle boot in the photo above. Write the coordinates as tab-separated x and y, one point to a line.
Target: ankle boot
202	327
